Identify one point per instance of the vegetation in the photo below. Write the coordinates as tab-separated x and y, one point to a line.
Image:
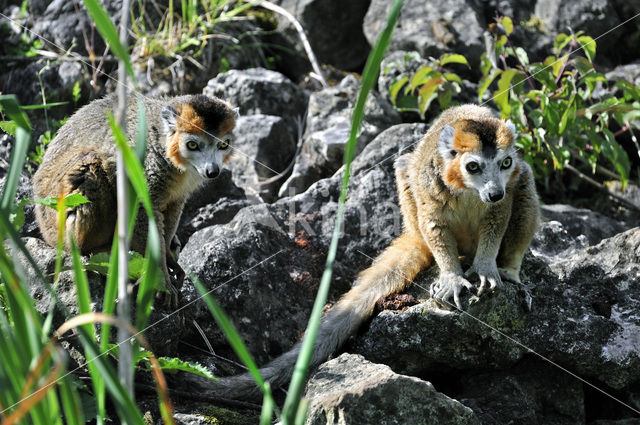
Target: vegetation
558	106
33	367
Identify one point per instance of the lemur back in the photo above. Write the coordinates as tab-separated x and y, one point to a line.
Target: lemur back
184	147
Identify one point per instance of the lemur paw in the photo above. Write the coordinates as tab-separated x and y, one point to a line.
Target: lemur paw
488	273
449	285
511	275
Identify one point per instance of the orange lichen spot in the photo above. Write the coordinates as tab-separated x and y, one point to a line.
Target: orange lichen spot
173	151
453	176
188	120
504	138
516	173
464	141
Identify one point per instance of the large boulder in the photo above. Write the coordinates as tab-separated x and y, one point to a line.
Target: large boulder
327	132
351	390
333	27
261	91
263	147
431	28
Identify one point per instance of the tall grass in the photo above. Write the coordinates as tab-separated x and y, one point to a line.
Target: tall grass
37	386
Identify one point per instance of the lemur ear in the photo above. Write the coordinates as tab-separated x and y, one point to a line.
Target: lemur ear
512	128
169	119
445	143
236	113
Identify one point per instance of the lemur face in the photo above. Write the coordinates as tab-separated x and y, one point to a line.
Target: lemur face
479	155
195	132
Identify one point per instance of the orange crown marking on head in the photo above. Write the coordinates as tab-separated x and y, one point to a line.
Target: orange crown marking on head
173	151
453	176
188	120
504	137
464	141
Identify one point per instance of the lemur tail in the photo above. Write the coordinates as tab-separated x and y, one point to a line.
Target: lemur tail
392	270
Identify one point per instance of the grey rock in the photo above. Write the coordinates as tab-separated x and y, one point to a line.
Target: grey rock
530	393
334	30
629	72
260	91
291	237
327	132
581	316
262	148
569	228
431	28
351	390
215	202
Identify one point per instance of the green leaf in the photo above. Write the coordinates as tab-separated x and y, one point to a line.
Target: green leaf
427	93
568	116
395	88
10	106
174	364
453	58
504	86
522	55
543	74
507	23
75	93
582	64
588	44
9	127
561	41
617	155
422	75
453	77
485	82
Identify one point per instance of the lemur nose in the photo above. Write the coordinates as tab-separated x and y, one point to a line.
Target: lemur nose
213	172
495	197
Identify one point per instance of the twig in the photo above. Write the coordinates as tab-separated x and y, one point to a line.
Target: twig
301	125
600	186
599	169
301	34
125	371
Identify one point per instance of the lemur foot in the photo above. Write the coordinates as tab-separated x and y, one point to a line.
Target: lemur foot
449	285
488	273
511	275
173	282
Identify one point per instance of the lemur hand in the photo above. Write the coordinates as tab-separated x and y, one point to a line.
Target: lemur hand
487	271
448	285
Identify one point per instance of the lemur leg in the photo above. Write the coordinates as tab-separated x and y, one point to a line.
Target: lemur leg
525	217
92	224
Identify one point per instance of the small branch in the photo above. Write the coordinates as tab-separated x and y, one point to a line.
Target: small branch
301	34
125	357
599	169
627	203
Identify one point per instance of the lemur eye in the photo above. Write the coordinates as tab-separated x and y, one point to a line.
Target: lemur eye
453	153
192	145
506	163
473	167
224	144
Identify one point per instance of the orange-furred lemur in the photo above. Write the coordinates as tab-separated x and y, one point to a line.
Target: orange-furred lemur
463	192
184	147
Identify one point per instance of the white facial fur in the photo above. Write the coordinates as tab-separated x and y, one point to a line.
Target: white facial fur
207	158
493	175
488	176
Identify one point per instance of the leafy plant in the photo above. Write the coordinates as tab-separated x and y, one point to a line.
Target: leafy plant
428	83
555	104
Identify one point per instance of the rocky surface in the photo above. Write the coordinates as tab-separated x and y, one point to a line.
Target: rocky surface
327	131
535	353
333	27
351	390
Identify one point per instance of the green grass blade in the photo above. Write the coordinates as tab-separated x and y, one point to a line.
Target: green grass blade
266	414
108	31
146	292
71	404
10	106
233	337
369	78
